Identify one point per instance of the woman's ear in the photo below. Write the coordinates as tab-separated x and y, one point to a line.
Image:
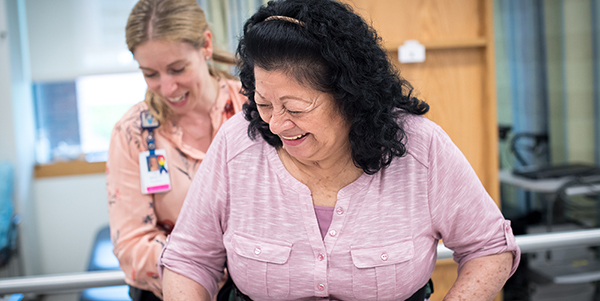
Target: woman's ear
208	44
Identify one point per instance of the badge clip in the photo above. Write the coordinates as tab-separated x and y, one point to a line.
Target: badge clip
149	122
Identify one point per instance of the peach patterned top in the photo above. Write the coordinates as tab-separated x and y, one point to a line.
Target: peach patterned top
140	223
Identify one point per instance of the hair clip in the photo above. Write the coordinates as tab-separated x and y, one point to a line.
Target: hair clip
285	18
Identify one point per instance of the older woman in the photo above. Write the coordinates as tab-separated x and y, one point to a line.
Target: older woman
332	186
158	145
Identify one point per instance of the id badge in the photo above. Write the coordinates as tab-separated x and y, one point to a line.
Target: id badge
154	172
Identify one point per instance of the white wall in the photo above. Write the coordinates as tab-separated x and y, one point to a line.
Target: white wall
7	149
91	35
70	210
17	126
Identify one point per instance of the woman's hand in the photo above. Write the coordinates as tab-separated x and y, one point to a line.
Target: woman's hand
481	278
177	287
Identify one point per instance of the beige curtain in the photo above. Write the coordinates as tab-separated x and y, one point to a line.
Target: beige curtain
227	18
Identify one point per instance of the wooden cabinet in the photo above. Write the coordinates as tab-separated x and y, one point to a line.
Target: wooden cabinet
457	79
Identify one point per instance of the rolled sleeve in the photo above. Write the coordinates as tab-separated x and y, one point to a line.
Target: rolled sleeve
463	214
176	262
502	241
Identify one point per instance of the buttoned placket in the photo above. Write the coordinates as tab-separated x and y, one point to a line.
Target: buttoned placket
321	259
323	247
331	237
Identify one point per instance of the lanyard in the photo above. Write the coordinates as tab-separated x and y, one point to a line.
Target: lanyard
148	122
150	140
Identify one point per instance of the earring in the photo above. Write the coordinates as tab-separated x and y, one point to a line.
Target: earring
207	58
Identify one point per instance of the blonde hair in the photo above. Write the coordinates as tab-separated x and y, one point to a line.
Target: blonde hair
176	21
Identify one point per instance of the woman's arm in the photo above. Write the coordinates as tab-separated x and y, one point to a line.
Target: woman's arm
470	223
137	239
177	287
481	278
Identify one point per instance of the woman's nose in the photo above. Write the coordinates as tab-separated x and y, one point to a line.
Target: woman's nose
167	86
280	122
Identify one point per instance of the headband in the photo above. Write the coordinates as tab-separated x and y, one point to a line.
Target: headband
285	18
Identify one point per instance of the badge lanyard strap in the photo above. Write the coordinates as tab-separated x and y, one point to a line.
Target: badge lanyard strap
150	140
149	123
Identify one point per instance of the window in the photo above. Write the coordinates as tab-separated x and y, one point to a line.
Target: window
56	116
101	101
75	118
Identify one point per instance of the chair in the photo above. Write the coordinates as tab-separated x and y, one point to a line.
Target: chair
103	259
9	221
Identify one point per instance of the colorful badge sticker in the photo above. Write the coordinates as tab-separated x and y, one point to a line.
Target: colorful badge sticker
154	172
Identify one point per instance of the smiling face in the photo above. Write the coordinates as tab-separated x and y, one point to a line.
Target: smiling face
306	120
176	71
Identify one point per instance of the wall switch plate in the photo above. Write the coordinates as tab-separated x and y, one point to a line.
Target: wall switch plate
411	52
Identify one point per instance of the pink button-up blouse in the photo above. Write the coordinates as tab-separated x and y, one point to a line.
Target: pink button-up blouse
245	209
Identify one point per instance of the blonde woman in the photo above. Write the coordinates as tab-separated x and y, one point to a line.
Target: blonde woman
158	145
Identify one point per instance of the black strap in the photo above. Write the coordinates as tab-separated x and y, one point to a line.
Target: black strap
422	293
137	294
230	292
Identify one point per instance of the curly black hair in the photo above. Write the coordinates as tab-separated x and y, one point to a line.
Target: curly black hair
334	51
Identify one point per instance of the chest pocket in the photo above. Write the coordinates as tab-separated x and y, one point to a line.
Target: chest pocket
376	268
260	266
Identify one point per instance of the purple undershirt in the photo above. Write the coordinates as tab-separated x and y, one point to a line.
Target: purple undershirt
324	217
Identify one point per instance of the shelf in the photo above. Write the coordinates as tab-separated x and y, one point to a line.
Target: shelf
563	264
566	273
448	44
70	168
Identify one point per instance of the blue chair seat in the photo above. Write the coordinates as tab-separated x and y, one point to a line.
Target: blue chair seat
103	259
109	293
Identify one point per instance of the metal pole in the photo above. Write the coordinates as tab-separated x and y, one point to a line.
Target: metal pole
544	241
61	282
79	281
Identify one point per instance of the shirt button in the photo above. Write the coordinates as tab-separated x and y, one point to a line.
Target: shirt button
332	233
321	287
321	257
339	210
257	251
384	256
